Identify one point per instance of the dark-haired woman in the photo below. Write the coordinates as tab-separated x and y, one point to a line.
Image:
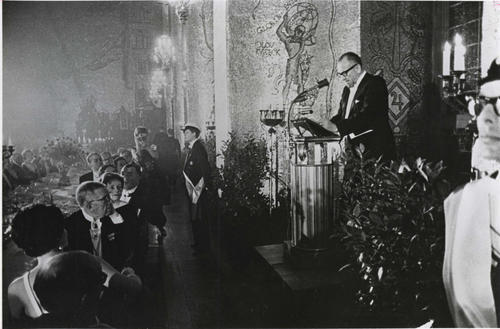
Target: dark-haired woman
39	232
114	184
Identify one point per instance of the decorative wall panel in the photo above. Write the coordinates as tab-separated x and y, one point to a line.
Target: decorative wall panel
396	42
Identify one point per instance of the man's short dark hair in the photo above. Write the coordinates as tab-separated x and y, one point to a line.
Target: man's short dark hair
102	170
91	154
119	158
38	229
87	187
193	130
353	57
111	176
69	284
132	165
140	130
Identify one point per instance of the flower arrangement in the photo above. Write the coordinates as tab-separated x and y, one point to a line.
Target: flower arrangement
65	150
392	227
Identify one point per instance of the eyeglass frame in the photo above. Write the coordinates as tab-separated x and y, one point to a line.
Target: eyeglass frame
480	103
344	73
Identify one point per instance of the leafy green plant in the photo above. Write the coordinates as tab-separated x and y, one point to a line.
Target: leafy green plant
393	229
241	178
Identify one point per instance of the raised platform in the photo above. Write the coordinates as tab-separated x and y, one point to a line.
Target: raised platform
298	279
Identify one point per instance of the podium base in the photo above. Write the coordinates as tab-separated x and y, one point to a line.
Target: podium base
305	258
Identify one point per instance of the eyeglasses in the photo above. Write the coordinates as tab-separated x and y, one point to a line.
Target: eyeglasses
476	105
103	199
344	73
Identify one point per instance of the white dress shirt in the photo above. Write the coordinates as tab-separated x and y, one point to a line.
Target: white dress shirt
96	176
352	92
95	234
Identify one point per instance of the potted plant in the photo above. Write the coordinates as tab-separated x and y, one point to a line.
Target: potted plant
392	227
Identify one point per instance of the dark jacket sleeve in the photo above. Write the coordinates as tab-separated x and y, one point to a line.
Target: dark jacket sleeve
202	160
373	108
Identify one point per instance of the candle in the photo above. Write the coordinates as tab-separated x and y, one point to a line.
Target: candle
446	58
10	141
459	59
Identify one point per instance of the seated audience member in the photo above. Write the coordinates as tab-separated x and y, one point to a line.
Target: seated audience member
141	196
39	231
114	184
45	162
471	270
106	168
28	164
106	157
23	176
71	287
9	176
100	229
127	155
119	163
94	162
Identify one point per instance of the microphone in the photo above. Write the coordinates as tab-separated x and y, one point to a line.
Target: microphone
303	95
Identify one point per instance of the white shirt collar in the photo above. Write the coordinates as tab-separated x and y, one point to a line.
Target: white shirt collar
96	176
116	218
192	142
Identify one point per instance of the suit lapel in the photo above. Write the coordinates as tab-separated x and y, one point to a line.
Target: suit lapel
345	99
359	91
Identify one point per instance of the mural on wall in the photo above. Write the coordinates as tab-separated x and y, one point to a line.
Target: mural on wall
297	31
206	16
393	44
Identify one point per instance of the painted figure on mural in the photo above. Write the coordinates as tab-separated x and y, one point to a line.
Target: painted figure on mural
297	31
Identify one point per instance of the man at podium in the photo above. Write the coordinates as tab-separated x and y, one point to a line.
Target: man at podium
363	115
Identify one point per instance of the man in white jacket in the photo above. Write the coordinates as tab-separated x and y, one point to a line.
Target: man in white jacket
471	270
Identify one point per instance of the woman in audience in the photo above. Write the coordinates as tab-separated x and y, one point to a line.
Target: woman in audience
39	231
114	185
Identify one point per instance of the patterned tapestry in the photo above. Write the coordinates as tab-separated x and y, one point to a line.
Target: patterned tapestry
395	42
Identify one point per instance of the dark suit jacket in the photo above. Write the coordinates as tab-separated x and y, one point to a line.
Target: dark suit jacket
369	110
88	177
148	203
196	164
118	251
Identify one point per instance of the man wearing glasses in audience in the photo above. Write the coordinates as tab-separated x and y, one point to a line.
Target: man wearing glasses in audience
363	114
471	270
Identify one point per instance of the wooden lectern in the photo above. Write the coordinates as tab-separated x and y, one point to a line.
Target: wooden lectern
315	177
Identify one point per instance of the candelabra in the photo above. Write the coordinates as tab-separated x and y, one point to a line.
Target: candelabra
271	118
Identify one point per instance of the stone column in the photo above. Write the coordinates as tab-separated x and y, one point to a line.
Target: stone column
222	119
